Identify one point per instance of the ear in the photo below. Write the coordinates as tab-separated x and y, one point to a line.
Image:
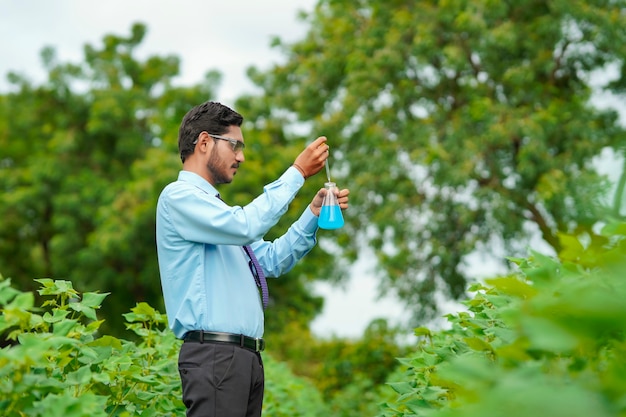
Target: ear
204	142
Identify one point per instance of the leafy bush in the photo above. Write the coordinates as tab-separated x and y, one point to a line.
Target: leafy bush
548	341
56	364
60	367
289	396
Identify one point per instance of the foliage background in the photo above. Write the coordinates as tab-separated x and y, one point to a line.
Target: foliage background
547	340
60	366
466	126
459	126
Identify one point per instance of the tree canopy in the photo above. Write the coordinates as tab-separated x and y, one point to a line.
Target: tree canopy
459	126
84	158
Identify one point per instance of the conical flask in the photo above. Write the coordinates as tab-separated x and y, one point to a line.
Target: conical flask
330	215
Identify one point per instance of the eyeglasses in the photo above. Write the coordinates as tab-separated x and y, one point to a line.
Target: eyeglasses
237	145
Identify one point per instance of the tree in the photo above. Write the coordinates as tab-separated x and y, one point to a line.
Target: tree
84	158
458	125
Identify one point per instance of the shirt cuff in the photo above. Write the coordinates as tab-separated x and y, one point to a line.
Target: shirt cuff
292	175
308	221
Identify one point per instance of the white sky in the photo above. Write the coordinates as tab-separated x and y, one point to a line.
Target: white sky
227	36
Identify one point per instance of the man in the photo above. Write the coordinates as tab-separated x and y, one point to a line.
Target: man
209	253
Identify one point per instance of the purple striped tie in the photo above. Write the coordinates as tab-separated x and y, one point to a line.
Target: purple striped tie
257	271
258	274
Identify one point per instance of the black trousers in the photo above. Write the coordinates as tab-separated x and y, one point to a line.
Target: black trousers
221	380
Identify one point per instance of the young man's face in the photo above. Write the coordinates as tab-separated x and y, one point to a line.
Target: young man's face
225	155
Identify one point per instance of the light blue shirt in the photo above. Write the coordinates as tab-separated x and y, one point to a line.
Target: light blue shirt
206	281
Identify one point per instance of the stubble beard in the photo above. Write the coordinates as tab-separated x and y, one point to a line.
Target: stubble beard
217	169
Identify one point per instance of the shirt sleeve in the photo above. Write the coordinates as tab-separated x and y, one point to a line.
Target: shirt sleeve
200	216
279	256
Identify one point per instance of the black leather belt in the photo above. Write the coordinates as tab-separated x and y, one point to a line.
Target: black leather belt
258	345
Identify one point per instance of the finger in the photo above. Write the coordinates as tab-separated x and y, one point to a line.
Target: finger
318	142
322	149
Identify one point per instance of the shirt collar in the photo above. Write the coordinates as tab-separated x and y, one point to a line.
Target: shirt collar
197	181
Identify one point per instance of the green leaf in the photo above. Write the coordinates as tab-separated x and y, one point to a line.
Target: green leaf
513	286
22	301
142	312
56	316
544	334
93	300
87	311
81	376
543	269
402	387
63	328
57	287
7	293
422	331
107	341
478	344
65	405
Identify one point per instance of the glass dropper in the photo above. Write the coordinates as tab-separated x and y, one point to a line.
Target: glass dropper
327	170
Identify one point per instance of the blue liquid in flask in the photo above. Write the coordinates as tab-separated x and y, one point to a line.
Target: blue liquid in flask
330	218
330	214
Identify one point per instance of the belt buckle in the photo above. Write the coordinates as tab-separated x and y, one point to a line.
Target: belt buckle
259	345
